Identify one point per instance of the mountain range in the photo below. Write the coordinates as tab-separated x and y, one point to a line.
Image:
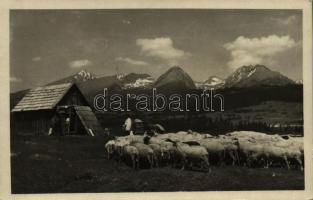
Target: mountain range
174	79
177	78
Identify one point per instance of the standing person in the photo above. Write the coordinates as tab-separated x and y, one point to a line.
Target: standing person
67	125
128	125
54	125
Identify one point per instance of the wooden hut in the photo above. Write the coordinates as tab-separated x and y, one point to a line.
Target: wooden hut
54	110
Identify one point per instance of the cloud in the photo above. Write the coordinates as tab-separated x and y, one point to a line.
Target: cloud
161	48
15	79
131	61
246	51
285	21
36	59
80	63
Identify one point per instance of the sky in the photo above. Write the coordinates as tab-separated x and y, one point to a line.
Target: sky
47	45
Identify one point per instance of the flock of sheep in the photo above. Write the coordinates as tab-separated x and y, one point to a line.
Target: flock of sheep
191	149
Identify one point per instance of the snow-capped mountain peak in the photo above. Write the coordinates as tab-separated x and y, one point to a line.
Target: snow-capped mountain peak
140	83
247	76
245	71
251	72
213	82
299	82
120	76
79	77
84	75
134	80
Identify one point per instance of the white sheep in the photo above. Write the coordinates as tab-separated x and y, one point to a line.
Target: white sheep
145	152
119	145
293	152
133	153
110	146
168	150
252	150
158	153
214	146
230	148
273	151
289	150
191	152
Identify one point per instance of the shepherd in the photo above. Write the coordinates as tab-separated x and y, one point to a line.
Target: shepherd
54	125
128	125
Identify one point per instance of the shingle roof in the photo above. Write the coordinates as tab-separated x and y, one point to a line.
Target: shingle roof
41	98
89	120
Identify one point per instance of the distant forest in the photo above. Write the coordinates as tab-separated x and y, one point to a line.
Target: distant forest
233	97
